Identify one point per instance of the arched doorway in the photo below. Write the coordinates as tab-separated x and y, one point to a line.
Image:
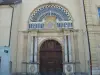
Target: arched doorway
51	58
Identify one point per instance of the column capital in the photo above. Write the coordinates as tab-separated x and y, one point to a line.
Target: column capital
33	33
66	33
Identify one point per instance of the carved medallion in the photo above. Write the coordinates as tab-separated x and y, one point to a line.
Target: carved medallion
50	22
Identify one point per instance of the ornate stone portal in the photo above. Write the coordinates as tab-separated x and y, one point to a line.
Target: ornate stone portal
51	21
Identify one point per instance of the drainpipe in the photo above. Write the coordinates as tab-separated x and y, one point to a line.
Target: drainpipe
11	24
90	61
10	34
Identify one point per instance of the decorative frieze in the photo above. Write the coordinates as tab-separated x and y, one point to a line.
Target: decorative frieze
41	25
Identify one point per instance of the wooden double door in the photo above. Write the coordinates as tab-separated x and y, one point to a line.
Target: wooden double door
51	58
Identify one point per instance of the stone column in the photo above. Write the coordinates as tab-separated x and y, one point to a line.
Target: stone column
29	53
69	48
65	50
35	55
65	53
25	49
35	49
31	56
68	65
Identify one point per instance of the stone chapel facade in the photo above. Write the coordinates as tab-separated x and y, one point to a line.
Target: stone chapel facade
44	36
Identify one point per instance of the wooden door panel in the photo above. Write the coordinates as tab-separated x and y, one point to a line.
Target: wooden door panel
50	58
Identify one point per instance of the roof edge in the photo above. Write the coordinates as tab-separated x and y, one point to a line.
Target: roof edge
10	2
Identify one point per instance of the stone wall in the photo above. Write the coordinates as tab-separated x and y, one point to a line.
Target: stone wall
93	25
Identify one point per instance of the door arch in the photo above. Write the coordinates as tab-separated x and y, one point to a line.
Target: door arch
51	58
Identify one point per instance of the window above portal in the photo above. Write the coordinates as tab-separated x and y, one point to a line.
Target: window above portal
99	12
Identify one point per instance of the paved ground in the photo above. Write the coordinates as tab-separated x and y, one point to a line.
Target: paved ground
76	73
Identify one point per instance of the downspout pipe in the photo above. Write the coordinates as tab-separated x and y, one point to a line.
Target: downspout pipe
11	24
10	34
90	60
